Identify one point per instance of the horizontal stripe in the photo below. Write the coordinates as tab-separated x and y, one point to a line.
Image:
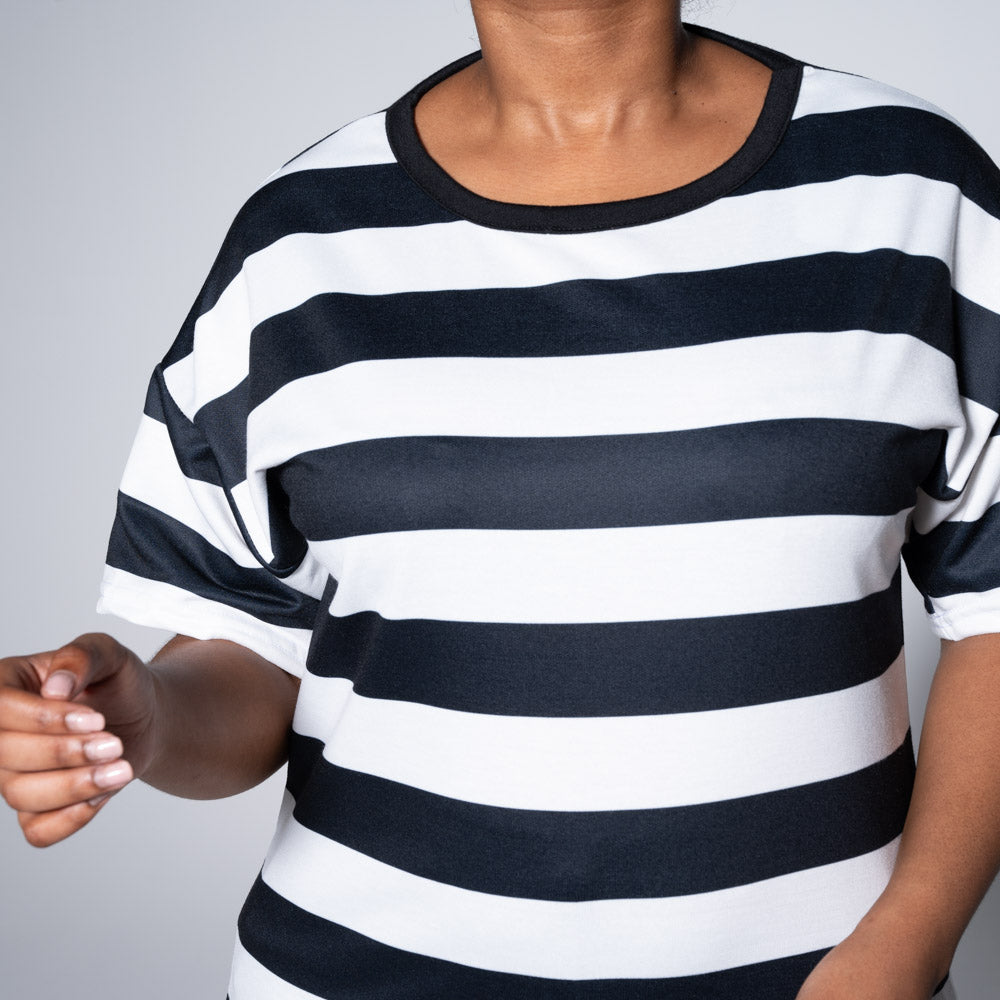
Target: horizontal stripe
767	468
540	854
848	375
249	980
361	142
974	332
332	962
613	668
605	938
641	313
602	763
927	142
614	574
150	544
451	255
304	197
162	605
827	91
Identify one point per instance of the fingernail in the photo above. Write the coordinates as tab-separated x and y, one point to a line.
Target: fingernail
106	748
97	800
59	685
84	722
111	775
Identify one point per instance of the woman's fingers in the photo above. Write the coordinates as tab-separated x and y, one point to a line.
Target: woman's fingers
47	828
58	760
39	752
31	713
43	791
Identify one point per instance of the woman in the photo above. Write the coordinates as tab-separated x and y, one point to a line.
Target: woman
532	474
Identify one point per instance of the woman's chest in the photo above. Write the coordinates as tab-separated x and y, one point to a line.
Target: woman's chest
649	400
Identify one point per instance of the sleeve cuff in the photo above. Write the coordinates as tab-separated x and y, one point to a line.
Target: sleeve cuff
162	605
958	616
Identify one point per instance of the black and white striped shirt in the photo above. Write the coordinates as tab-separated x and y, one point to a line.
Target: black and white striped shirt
582	526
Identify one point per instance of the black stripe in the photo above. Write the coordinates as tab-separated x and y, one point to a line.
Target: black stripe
759	469
330	200
956	557
194	455
613	668
975	347
335	963
880	141
148	543
223	422
824	292
611	854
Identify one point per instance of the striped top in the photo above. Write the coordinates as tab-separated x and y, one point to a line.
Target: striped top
583	526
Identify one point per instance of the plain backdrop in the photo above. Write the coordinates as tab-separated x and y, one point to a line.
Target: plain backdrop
132	132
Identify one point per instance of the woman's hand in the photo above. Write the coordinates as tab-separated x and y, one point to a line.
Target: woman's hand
75	727
883	959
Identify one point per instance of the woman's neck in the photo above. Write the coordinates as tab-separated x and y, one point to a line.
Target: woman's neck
570	69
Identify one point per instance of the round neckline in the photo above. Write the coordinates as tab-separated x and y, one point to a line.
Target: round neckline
427	173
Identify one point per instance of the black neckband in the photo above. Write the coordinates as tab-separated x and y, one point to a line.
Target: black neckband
779	104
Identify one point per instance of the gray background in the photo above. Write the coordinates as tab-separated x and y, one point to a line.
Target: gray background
133	131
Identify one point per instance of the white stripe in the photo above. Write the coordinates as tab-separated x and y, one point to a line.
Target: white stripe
594	939
606	763
360	143
958	616
849	374
965	448
162	605
153	477
254	520
826	91
249	980
982	489
853	215
220	359
310	578
567	575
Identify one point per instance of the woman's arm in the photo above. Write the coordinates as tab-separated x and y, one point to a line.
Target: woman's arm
204	719
222	718
949	852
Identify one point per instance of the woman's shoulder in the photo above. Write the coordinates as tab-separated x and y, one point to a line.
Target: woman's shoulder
875	111
348	179
358	143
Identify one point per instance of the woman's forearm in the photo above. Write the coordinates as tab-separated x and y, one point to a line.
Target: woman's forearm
950	847
221	721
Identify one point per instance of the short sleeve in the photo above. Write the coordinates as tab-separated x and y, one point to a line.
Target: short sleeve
200	545
952	545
